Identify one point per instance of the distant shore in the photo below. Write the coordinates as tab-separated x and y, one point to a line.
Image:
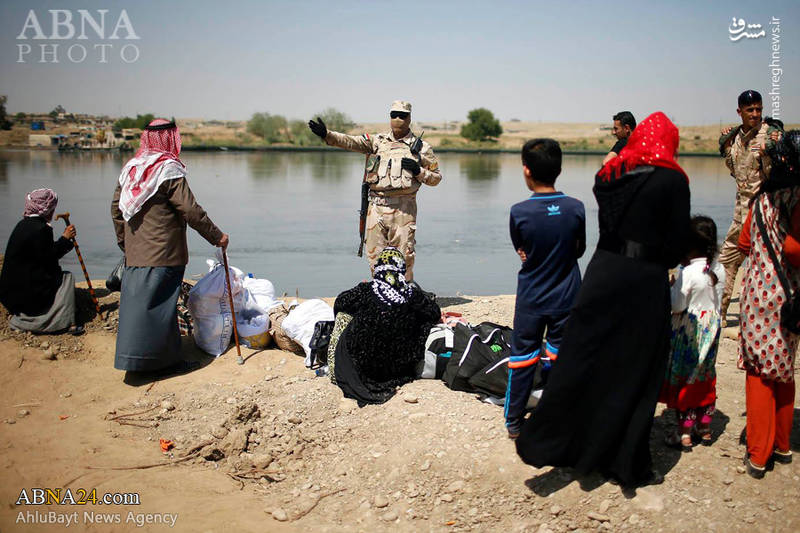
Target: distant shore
575	138
289	148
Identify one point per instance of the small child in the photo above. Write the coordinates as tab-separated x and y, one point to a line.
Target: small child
548	231
690	384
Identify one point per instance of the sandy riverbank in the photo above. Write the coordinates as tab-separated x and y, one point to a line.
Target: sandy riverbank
430	459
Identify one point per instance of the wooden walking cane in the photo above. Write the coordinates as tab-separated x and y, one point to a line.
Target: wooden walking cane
65	216
239	359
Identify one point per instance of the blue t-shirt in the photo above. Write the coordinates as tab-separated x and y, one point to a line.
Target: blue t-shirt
551	229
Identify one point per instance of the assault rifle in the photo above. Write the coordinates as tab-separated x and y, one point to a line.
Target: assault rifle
362	220
416	146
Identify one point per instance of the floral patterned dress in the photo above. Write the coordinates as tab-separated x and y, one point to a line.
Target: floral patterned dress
691	377
766	348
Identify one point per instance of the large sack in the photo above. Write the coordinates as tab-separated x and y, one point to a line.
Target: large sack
299	325
210	309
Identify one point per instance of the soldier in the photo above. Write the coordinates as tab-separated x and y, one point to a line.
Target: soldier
394	174
743	148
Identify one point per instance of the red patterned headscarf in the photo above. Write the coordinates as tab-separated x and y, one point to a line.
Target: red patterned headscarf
41	202
653	142
165	140
156	161
158	136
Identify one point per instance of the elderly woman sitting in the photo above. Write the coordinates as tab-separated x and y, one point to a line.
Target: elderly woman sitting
34	289
380	331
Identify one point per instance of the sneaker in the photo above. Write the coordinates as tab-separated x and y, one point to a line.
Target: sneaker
513	429
753	471
783	458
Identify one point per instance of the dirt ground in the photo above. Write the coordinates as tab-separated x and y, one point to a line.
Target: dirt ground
268	446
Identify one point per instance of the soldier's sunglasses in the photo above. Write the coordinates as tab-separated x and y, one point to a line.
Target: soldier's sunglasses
399	114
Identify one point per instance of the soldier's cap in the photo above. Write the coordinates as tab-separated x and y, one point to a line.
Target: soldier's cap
400	105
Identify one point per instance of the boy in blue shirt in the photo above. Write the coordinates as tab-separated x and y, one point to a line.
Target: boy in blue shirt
548	231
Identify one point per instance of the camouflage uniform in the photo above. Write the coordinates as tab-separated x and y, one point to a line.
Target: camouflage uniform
392	213
749	167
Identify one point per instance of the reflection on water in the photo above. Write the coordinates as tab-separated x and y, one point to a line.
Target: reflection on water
293	216
479	167
331	166
264	165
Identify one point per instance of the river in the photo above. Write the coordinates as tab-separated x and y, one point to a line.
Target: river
293	216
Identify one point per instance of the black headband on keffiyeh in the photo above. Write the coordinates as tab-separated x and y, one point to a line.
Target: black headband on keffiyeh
388	280
157	127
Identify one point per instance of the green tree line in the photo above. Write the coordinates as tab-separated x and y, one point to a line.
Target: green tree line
139	122
277	129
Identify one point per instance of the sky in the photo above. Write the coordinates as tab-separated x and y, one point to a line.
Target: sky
577	61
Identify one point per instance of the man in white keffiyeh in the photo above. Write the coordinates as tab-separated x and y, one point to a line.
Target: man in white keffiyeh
151	208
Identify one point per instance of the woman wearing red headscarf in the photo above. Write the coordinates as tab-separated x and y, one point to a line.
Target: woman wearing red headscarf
597	408
151	207
34	289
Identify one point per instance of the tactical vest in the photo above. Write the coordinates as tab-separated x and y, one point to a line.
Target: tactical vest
385	173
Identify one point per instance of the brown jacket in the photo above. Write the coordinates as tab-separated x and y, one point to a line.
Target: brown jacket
156	235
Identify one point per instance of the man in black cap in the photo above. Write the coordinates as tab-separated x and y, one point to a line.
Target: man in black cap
743	148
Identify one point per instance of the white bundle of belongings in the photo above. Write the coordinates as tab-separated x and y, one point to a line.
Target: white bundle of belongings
299	324
253	322
210	309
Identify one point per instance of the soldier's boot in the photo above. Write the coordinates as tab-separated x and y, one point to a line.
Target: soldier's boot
731	270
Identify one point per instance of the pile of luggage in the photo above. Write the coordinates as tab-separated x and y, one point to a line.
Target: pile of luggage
260	317
472	359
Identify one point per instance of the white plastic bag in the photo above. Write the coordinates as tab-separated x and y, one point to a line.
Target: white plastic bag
253	329
209	307
262	292
299	324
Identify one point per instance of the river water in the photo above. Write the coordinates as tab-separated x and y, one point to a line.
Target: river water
293	216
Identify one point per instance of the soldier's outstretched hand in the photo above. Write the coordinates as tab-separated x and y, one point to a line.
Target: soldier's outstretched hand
409	164
318	128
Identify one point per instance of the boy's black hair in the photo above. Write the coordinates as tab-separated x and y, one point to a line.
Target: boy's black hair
749	97
703	239
626	119
543	159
